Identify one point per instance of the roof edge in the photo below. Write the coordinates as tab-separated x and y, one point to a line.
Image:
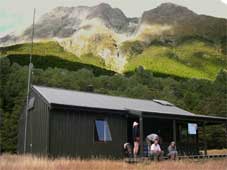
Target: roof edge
39	94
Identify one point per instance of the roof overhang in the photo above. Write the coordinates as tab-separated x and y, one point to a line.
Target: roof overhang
209	120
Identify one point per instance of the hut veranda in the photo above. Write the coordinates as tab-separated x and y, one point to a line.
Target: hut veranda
72	123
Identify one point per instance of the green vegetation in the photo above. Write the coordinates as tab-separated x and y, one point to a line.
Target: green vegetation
92	60
199	96
51	54
131	48
189	59
44	48
186	57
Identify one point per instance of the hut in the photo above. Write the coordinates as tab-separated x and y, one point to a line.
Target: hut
84	124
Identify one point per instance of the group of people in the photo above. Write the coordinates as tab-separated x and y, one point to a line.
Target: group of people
153	145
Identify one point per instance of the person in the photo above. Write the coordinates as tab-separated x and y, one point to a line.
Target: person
172	151
150	139
127	150
136	137
156	151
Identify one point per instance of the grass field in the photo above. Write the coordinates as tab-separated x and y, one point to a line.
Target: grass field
15	162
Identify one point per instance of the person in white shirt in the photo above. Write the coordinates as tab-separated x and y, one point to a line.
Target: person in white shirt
136	138
156	151
150	139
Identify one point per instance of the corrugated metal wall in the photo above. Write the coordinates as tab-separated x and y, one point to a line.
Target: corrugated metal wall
37	135
20	135
72	134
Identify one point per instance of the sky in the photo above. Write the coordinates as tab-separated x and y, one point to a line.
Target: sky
16	15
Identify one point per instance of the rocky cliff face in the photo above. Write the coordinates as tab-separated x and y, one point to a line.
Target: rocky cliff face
63	22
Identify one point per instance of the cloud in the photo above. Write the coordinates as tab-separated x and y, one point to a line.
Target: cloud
224	1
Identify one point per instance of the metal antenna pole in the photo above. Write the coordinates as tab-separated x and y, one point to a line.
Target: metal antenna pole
226	96
29	85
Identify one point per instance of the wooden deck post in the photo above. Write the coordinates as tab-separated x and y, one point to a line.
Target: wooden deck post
197	140
204	138
141	135
174	131
226	133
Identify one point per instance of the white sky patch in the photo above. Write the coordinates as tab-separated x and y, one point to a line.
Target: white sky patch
224	1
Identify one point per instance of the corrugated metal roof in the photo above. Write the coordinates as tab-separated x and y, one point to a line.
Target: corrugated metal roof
93	100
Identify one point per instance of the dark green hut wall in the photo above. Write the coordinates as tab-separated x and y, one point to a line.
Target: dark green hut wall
72	134
20	135
37	136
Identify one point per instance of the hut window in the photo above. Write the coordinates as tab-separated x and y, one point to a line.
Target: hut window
31	103
102	131
192	128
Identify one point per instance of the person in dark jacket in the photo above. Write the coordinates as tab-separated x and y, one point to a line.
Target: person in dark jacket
136	138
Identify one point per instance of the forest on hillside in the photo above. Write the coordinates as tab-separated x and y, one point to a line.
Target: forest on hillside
196	95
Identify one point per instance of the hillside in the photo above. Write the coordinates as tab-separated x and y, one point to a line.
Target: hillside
190	59
193	58
51	54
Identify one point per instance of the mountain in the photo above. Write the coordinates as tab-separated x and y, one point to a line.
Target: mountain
169	39
178	21
63	22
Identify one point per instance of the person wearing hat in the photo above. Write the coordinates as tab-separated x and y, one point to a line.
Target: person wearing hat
172	151
136	137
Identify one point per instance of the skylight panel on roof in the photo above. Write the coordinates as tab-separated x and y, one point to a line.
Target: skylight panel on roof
163	102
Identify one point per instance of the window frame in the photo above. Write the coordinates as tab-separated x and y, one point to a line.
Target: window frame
96	136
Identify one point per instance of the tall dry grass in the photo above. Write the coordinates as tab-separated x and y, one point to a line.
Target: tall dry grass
17	162
217	152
